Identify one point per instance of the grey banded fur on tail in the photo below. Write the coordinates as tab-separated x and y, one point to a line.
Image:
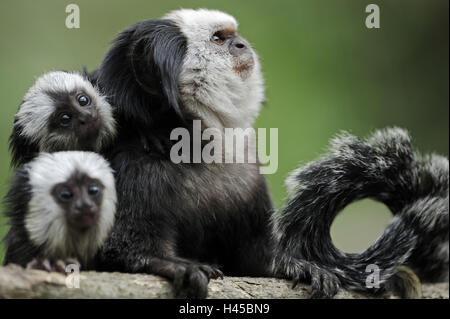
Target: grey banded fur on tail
383	167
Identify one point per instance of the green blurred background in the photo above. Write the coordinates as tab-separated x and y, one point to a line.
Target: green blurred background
325	72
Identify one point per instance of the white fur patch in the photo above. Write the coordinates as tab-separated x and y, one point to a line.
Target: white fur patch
37	107
201	19
210	87
45	220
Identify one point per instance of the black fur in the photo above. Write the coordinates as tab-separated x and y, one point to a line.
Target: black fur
384	168
22	149
20	250
172	219
140	72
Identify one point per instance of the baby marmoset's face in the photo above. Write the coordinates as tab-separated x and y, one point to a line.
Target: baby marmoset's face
63	111
72	203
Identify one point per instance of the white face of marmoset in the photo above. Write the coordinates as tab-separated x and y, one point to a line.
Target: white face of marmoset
220	80
73	202
64	111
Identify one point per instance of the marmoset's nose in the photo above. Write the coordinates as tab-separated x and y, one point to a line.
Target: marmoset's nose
238	46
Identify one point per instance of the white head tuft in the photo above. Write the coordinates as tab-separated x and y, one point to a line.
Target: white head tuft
222	89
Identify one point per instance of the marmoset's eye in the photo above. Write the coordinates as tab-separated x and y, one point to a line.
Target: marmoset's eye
93	190
218	38
65	194
83	100
65	119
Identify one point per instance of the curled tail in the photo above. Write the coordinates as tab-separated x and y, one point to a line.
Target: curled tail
385	168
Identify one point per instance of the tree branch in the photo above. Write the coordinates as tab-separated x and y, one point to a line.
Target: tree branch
15	282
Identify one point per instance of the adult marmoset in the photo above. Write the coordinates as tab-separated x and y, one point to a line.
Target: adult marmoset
188	222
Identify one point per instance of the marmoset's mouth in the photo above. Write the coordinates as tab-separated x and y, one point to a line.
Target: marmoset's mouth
244	66
85	220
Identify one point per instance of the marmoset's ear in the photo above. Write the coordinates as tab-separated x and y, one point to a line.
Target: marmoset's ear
141	70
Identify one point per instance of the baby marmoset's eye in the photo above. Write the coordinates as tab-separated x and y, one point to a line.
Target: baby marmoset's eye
64	119
83	100
65	194
94	190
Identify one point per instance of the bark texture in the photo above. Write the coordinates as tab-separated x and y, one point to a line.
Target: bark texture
16	282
